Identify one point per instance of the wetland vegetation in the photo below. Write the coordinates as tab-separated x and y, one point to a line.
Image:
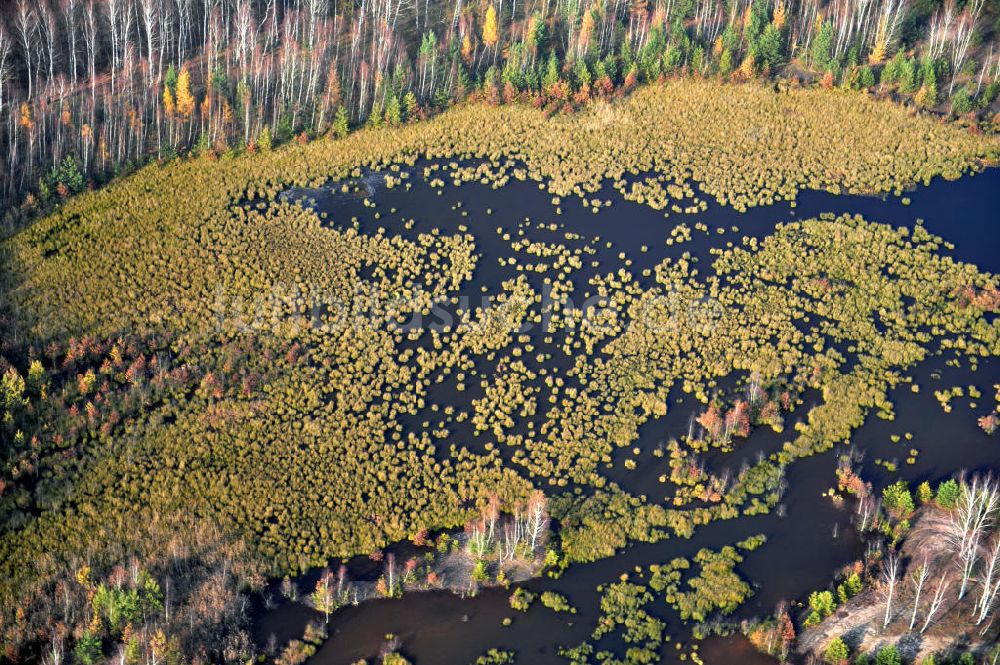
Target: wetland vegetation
434	357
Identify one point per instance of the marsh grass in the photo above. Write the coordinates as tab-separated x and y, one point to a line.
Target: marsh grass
309	461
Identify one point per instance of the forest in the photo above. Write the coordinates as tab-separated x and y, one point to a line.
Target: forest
90	89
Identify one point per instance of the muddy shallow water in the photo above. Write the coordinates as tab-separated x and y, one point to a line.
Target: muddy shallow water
808	540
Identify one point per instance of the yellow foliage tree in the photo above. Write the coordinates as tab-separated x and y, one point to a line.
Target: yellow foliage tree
748	69
878	53
466	48
586	29
168	101
185	100
780	18
717	47
490	35
25	120
880	46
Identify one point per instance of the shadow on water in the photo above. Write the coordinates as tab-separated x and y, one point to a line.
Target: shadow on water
808	540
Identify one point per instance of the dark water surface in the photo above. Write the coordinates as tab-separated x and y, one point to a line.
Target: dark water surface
808	541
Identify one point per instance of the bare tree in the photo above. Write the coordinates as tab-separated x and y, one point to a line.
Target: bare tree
26	26
49	32
939	28
982	71
149	14
971	520
868	510
939	591
538	519
963	37
919	577
390	572
491	513
990	582
5	50
113	13
890	575
69	10
513	532
55	652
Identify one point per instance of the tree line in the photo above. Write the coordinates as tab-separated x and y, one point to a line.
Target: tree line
92	88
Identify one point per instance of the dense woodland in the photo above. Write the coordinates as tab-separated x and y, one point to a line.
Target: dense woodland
91	88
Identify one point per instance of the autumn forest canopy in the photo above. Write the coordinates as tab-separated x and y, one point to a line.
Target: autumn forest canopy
94	88
314	304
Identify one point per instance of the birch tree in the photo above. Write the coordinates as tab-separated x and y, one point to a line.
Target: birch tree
972	518
26	27
323	597
990	582
890	576
5	51
538	519
963	38
939	591
918	577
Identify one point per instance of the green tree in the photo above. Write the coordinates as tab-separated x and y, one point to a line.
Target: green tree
961	103
907	75
556	602
170	79
410	106
37	379
836	652
897	499
821	45
551	76
67	174
771	47
152	595
927	96
340	126
822	604
118	606
726	63
866	77
12	391
88	649
947	494
522	599
393	113
891	71
888	655
264	142
479	573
